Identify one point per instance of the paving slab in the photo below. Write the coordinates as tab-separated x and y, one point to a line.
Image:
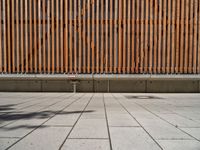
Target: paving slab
93	121
179	144
179	121
43	138
86	144
90	128
11	131
195	132
121	120
6	142
131	138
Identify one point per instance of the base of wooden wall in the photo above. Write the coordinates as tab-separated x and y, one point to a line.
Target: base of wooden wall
121	86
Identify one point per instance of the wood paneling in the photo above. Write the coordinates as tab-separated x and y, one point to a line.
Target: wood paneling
93	36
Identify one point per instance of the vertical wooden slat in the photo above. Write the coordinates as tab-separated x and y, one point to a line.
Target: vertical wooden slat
186	36
182	36
195	36
155	36
168	36
159	37
17	36
30	39
142	36
198	66
164	36
61	37
124	37
1	57
102	36
137	36
97	36
146	36
39	36
52	38
115	34
120	39
111	37
8	36
66	50
151	36
173	36
106	35
128	36
75	39
4	36
79	37
177	35
88	37
57	38
93	34
48	37
44	36
84	35
35	36
191	19
70	36
13	35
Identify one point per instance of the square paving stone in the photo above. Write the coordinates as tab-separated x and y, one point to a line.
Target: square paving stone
90	128
179	144
86	144
124	138
6	142
49	138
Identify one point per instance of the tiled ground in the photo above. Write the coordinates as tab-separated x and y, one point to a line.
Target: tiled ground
86	121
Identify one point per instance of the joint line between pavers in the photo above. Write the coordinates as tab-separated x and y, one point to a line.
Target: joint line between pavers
44	122
107	122
166	121
39	109
138	122
76	122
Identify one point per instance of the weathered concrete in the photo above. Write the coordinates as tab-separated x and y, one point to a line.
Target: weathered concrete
20	86
172	86
127	86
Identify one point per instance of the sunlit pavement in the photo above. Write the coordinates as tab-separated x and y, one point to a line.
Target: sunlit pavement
87	121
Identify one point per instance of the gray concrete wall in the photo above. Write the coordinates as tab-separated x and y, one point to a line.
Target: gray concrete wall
135	86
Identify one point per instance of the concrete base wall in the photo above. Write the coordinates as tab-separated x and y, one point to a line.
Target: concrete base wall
128	86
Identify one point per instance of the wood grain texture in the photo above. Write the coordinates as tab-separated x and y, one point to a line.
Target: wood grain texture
8	37
97	37
13	36
1	66
186	36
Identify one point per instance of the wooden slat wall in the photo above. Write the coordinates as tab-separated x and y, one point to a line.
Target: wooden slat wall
100	36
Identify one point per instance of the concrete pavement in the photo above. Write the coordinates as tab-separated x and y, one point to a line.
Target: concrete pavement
100	121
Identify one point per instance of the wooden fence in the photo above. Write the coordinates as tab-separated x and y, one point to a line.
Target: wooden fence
100	36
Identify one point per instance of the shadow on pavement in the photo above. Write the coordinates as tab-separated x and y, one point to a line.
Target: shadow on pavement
34	115
6	107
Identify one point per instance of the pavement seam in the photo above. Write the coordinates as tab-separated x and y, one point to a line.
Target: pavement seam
107	123
39	109
76	122
32	98
44	122
138	123
167	121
